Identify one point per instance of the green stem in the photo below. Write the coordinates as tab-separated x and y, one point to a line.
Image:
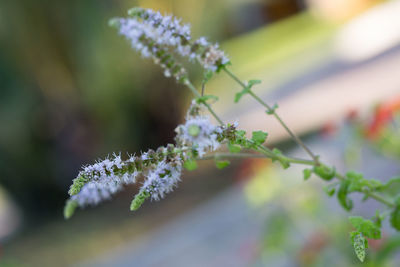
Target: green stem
373	195
252	155
267	153
197	94
273	112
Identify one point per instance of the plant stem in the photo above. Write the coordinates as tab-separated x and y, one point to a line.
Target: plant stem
273	112
252	155
267	153
373	195
197	94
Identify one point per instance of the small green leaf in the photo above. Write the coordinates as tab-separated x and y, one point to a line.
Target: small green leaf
272	110
329	190
360	243
324	172
307	174
279	156
367	227
222	164
233	148
207	76
241	133
251	83
259	137
395	218
342	193
246	90
205	98
190	165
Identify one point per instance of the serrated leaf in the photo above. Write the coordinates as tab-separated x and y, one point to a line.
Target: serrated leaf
395	218
259	137
342	193
367	227
233	148
307	174
190	165
222	164
360	244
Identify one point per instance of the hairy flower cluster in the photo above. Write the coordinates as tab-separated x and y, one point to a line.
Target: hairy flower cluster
154	36
163	178
99	181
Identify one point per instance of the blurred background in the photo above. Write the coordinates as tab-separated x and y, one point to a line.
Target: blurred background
72	90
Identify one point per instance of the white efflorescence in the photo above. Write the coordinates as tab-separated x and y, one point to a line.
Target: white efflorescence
199	133
211	57
105	179
150	32
162	179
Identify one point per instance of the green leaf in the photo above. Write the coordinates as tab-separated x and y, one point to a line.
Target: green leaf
279	156
205	98
222	163
329	190
358	183
324	172
343	191
392	187
70	208
233	148
190	165
246	90
395	218
207	76
307	174
367	227
259	137
360	244
272	110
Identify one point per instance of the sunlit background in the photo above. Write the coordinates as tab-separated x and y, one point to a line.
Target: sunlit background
72	91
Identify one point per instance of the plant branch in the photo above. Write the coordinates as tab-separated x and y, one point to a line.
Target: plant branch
273	112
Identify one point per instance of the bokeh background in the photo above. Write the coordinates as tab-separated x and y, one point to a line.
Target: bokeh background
72	90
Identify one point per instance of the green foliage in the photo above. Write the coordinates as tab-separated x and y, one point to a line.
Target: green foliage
70	208
258	137
330	190
395	218
342	195
360	244
367	227
233	148
205	98
282	160
221	164
358	183
272	110
324	172
190	165
139	199
391	187
246	90
307	174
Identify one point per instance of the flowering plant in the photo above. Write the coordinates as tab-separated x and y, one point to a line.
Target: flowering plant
164	39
